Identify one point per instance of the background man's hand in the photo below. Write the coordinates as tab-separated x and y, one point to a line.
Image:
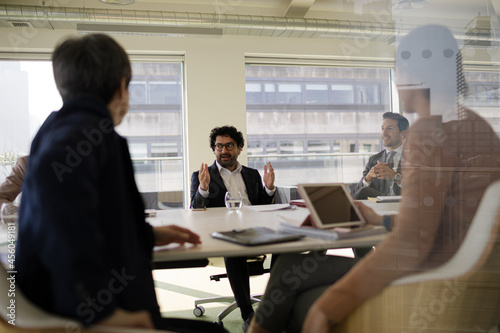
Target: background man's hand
380	171
269	177
204	177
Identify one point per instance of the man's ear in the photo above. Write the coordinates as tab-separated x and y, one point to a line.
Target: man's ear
123	88
404	133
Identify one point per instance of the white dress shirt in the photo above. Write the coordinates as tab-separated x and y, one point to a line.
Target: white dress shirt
234	182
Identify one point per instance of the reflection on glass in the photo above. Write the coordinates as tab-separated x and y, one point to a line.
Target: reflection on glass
138	93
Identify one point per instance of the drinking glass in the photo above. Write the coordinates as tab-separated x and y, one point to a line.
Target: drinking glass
8	212
233	200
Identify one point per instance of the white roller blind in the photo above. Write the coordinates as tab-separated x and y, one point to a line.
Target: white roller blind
134	56
359	62
273	60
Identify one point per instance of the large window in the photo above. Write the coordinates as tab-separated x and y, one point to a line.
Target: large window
27	96
483	95
153	125
320	124
315	123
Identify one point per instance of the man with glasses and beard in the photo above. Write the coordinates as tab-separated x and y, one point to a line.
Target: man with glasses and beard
208	189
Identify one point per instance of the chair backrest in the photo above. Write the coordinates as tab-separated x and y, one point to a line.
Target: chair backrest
476	246
171	199
286	193
26	314
461	295
28	318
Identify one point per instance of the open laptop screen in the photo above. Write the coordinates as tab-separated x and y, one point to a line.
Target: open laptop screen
330	205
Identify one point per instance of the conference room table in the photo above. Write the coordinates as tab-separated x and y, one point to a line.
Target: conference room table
221	219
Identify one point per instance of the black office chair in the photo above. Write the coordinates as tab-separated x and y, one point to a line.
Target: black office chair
255	268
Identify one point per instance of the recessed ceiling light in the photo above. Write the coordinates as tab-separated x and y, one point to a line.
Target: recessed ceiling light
118	2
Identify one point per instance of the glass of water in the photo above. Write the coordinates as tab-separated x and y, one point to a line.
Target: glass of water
9	212
233	200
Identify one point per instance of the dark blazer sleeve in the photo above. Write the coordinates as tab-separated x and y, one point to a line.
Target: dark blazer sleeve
368	166
217	190
255	189
196	198
371	163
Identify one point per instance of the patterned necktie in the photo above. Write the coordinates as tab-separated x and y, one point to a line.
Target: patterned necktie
390	159
390	164
388	183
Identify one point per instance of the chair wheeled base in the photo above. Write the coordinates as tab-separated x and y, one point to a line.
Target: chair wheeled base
199	310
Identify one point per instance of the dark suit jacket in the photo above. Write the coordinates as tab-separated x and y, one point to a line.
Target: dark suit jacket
381	185
84	247
256	192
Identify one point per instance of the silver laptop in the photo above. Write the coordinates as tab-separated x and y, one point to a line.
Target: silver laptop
330	205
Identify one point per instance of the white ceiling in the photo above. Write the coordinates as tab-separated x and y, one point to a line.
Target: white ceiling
326	9
454	13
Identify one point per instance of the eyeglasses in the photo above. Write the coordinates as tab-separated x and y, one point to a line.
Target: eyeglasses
229	146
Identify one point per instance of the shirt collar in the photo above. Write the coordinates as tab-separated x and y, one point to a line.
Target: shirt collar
398	150
238	167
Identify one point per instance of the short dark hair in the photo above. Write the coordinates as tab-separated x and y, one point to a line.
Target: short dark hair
229	131
402	121
94	64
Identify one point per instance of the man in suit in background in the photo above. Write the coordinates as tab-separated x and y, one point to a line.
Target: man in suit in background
11	186
382	174
208	189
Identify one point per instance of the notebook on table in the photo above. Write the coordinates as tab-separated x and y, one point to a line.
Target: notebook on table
385	198
255	236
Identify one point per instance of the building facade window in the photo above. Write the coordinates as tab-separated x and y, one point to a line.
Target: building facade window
320	117
153	126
